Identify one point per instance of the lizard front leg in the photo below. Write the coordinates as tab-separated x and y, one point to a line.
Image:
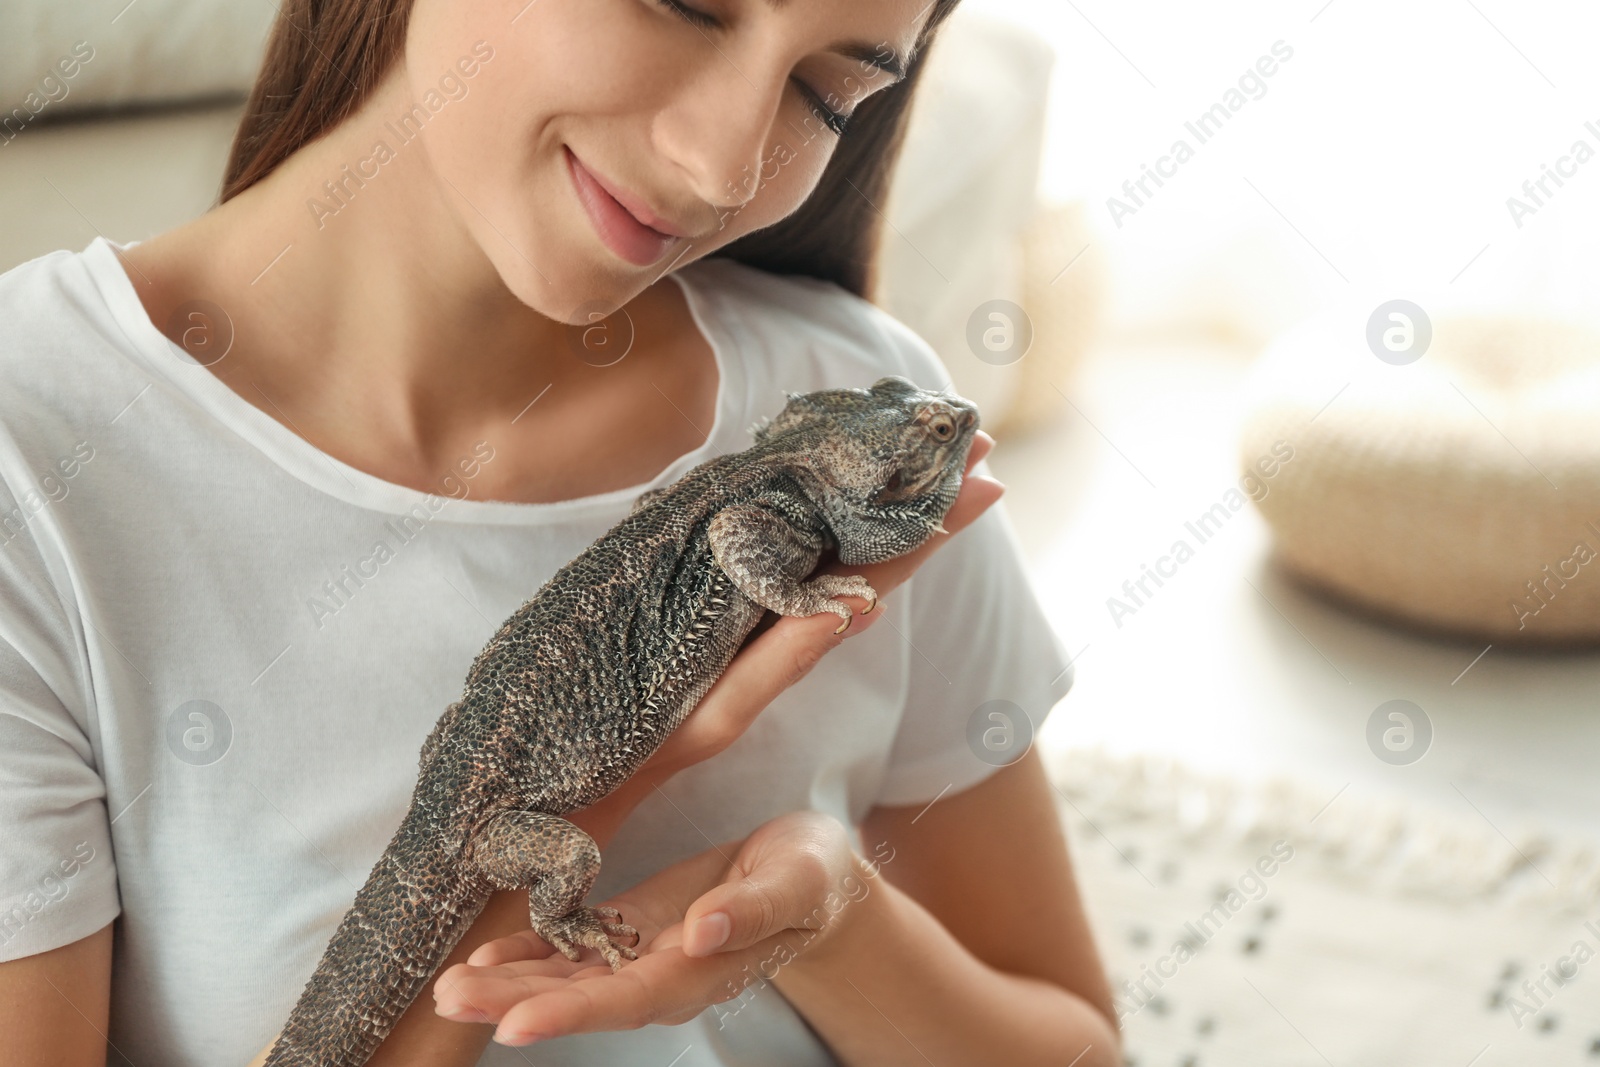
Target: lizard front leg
767	558
557	863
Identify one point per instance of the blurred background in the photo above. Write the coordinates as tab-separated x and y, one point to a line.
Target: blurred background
1283	316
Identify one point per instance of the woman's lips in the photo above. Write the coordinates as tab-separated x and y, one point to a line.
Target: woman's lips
618	229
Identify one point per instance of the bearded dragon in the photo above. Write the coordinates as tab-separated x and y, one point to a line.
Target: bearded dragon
587	679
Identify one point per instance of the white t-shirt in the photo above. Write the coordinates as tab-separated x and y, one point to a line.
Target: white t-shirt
221	650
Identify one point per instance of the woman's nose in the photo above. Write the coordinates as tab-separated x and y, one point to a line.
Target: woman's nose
715	129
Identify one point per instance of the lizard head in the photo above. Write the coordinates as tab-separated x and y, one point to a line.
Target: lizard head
882	464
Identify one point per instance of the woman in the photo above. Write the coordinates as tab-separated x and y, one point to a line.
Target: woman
273	477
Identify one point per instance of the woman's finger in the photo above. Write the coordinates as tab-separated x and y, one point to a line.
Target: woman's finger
470	994
967	507
981	444
977	493
786	652
659	901
781	882
780	655
649	907
513	948
654	988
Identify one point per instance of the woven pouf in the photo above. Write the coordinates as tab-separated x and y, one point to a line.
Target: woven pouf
1458	493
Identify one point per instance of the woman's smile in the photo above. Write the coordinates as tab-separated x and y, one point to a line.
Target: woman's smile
617	226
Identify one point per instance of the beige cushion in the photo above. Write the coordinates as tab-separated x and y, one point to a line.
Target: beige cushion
1457	493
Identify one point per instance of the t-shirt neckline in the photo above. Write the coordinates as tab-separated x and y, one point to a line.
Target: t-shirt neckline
355	486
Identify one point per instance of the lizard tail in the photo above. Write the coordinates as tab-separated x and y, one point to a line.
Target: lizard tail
406	919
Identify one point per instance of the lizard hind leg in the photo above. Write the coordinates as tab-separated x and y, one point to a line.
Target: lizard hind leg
557	863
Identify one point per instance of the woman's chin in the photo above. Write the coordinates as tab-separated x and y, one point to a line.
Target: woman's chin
572	292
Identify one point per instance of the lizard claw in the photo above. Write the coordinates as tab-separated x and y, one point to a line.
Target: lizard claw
822	594
590	928
611	922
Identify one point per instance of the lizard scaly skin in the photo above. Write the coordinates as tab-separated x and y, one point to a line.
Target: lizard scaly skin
586	680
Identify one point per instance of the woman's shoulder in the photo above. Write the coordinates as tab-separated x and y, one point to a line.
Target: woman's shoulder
815	330
41	278
62	350
52	305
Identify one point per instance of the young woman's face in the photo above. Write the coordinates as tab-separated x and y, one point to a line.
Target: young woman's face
704	118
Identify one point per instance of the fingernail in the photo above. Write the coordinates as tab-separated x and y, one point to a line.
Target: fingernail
712	932
517	1037
464	1015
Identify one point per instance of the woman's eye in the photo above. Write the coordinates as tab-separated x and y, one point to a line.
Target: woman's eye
691	15
834	120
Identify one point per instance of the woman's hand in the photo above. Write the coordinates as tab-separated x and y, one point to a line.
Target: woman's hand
671	981
706	926
773	661
776	659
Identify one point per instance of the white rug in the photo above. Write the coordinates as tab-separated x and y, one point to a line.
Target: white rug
1391	935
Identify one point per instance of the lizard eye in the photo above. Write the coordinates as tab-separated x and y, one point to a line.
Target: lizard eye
943	429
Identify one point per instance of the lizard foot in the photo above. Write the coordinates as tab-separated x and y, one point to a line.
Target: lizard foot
591	928
819	594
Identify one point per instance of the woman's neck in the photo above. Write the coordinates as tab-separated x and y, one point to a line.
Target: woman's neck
369	320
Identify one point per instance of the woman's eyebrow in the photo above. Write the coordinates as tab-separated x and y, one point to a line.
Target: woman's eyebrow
872	54
880	56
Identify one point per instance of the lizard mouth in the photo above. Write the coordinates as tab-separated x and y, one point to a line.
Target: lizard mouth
937	474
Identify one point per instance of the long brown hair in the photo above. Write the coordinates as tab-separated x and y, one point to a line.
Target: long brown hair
324	57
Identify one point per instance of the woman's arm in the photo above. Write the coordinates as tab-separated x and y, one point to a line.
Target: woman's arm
773	661
973	941
1013	978
54	1005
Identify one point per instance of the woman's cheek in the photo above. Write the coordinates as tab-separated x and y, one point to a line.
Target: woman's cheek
494	148
790	171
